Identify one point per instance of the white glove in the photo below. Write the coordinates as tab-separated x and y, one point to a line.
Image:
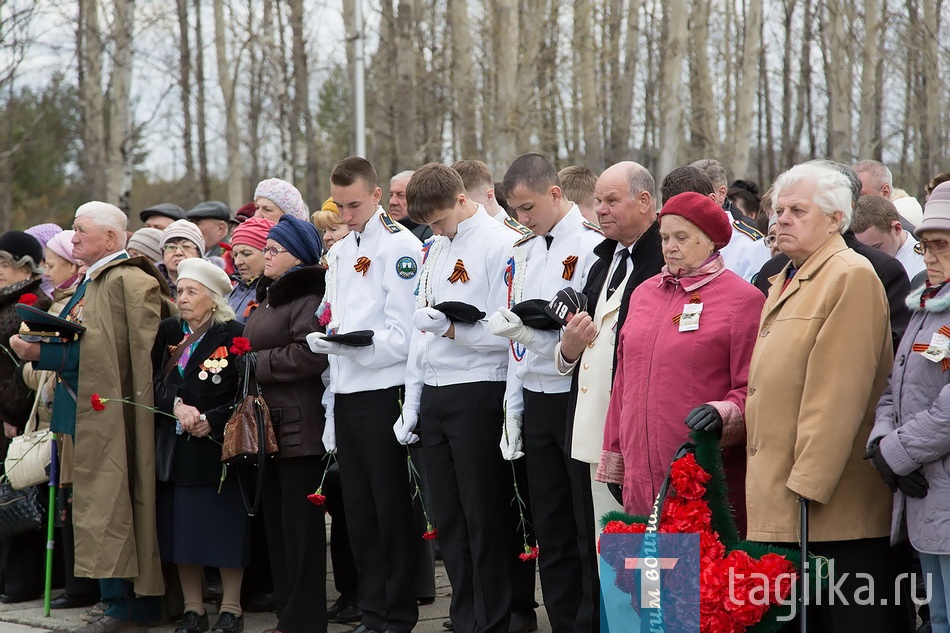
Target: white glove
511	438
431	320
507	324
329	435
318	345
404	427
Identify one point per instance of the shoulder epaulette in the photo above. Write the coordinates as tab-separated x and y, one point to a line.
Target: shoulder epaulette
515	225
391	225
744	227
526	238
918	248
593	227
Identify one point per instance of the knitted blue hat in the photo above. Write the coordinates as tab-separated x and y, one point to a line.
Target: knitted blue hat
299	237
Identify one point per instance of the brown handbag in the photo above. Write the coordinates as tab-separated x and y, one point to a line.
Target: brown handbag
248	430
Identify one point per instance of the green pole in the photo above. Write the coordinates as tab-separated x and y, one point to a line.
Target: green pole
53	478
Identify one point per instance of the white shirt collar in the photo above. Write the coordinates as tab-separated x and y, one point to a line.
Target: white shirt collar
102	262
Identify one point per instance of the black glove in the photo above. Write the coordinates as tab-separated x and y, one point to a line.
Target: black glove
617	491
247	358
705	417
879	463
913	485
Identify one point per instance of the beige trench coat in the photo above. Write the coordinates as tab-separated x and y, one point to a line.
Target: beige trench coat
819	367
114	470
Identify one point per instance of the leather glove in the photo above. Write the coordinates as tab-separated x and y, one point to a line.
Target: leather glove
431	320
404	427
507	324
320	346
329	435
913	485
705	417
511	438
245	359
617	491
880	464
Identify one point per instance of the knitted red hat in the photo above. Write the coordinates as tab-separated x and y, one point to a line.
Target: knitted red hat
702	211
252	232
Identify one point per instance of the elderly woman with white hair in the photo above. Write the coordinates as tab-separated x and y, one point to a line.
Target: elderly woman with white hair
203	521
275	197
820	364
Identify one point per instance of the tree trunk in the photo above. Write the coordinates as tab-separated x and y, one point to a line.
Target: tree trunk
184	87
463	78
381	143
310	186
671	100
868	142
91	101
406	103
703	124
839	80
232	132
584	44
621	126
746	89
204	177
528	75
120	146
928	95
789	145
507	34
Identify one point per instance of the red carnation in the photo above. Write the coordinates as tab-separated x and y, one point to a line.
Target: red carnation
240	346
316	498
28	299
97	404
529	553
684	516
619	527
688	478
431	533
225	247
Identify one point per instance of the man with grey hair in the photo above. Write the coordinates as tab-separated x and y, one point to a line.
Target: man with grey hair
399	210
630	254
120	303
746	252
877	180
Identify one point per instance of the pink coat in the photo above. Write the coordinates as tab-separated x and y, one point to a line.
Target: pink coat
662	374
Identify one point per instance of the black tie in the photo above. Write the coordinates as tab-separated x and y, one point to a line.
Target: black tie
619	273
547	240
357	239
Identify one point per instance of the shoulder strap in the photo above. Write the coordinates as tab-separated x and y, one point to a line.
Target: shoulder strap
33	421
181	347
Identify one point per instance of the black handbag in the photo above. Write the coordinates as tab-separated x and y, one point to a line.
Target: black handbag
20	511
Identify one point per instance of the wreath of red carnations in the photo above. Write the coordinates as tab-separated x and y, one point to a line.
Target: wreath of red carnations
694	506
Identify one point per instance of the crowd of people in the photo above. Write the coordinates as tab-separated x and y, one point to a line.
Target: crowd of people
418	375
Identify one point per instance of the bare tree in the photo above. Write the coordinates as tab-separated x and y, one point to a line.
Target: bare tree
184	87
204	177
674	51
301	105
868	142
507	35
119	151
835	45
232	132
746	88
91	99
463	78
584	50
704	139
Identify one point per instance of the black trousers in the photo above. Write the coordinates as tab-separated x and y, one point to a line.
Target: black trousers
296	536
460	432
563	576
379	507
425	552
588	617
523	576
345	575
862	556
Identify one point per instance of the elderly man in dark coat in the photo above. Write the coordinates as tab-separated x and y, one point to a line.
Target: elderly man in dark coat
120	301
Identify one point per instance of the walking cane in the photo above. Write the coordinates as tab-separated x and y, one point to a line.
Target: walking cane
803	519
53	485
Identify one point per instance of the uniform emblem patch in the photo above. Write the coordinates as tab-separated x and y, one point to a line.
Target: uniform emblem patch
406	267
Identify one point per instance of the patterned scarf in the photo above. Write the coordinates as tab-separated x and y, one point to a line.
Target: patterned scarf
691	279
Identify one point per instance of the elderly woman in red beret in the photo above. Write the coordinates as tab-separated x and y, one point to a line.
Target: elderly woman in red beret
682	354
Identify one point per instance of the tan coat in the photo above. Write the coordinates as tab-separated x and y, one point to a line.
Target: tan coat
114	471
819	367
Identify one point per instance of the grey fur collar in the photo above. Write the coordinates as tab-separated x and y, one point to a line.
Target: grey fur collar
940	303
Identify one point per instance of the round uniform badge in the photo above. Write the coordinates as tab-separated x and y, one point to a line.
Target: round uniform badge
406	267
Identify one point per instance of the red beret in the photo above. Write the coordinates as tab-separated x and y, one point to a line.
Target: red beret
704	213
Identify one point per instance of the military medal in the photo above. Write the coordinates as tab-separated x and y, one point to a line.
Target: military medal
213	365
202	375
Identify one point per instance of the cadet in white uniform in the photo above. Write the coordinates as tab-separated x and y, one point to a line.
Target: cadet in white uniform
536	394
454	388
370	283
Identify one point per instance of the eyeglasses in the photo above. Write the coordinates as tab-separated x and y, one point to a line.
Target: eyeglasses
185	247
273	251
770	240
935	247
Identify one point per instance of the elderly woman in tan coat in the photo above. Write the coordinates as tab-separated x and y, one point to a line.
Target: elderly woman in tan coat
818	369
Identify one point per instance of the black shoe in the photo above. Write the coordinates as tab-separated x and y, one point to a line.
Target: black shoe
228	623
8	599
523	623
191	622
340	604
349	615
75	601
363	629
448	626
422	602
259	603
